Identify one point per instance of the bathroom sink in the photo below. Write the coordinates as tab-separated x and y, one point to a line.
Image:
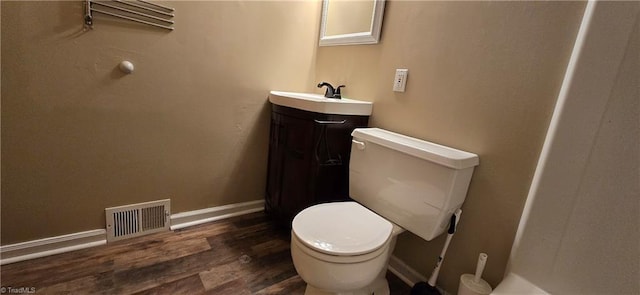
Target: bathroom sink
318	103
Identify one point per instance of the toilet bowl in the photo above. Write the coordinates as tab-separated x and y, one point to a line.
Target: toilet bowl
342	248
398	183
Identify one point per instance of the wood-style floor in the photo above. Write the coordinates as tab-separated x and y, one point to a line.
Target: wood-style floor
247	254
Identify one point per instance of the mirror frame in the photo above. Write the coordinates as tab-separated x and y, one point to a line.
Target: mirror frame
370	37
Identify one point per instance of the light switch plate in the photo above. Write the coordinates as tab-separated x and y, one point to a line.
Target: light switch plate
400	81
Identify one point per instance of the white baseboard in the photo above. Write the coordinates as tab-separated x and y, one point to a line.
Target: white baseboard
51	246
75	241
191	218
407	274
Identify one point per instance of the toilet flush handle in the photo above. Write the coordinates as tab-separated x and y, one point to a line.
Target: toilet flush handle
359	144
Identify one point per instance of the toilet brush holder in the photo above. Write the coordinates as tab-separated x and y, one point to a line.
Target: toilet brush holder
474	284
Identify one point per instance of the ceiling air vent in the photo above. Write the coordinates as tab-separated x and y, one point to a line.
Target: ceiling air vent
135	220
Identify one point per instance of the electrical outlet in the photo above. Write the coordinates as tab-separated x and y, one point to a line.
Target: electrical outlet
400	81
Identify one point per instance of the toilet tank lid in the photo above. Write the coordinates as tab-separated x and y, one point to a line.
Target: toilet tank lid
450	157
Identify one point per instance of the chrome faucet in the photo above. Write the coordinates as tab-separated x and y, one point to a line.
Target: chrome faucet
331	92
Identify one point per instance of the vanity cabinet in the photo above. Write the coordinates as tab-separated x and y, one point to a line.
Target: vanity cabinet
308	160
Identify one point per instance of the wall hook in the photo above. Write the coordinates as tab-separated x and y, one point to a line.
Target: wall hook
126	67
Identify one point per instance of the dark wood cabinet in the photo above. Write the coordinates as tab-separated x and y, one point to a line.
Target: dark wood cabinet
308	160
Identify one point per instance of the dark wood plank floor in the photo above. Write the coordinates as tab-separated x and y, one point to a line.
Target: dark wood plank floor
242	255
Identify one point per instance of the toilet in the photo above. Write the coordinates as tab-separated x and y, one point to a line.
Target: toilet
398	183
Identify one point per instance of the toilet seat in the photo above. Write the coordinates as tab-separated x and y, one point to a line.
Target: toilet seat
339	259
341	229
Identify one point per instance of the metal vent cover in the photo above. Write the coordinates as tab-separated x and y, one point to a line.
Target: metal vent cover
135	220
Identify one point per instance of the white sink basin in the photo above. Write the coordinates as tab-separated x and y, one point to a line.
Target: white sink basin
320	104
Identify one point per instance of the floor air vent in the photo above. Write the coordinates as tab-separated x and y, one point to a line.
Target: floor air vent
130	221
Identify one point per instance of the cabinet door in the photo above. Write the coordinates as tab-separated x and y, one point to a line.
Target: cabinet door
276	158
333	149
296	165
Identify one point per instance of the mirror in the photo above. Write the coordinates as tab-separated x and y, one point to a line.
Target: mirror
351	22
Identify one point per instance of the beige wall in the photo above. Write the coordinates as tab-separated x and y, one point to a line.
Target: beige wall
190	124
483	77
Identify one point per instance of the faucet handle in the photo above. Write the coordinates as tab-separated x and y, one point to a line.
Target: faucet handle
337	94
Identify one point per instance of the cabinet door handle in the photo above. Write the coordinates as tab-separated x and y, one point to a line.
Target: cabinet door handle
330	122
359	144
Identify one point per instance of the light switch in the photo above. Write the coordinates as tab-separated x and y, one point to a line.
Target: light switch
400	81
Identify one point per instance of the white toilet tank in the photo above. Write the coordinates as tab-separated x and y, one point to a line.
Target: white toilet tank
413	183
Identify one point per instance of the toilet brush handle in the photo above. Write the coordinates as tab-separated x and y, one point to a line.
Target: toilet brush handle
436	270
455	218
482	261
